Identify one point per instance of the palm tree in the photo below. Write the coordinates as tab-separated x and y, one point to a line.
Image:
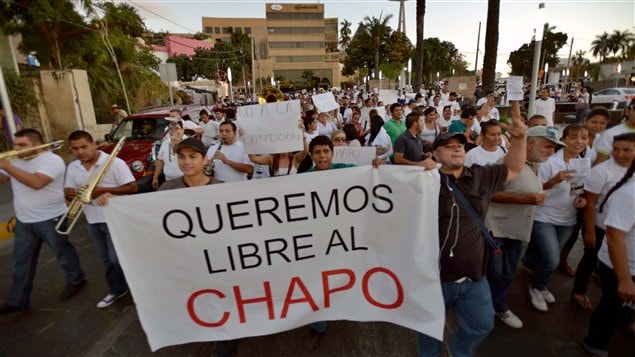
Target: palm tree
620	41
491	45
378	30
345	34
419	54
600	46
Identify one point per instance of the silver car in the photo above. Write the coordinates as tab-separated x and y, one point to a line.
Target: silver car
613	98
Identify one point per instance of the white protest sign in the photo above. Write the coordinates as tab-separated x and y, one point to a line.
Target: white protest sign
233	260
388	96
357	155
325	102
365	115
514	88
271	128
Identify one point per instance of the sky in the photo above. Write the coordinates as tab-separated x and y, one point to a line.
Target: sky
454	21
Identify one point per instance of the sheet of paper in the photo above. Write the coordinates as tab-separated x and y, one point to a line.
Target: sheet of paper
515	88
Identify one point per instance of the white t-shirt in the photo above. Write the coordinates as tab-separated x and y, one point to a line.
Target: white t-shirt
445	98
546	108
118	174
326	129
558	208
620	207
234	152
381	140
443	123
604	144
482	157
39	205
481	101
348	114
210	131
600	180
171	168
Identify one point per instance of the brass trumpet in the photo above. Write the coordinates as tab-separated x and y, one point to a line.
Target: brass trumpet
21	154
85	193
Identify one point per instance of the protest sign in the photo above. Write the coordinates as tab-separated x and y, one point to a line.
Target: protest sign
325	102
357	155
271	128
233	260
388	96
365	115
514	88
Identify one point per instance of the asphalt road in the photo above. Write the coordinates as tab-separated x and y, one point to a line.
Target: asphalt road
77	328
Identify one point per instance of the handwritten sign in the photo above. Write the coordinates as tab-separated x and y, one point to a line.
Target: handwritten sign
233	260
365	115
515	88
357	155
271	128
325	102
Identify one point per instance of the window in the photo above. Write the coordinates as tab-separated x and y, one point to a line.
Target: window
238	29
295	30
226	31
297	59
217	30
287	44
208	29
248	30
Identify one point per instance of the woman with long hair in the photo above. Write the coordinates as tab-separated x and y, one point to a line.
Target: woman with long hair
555	220
617	265
430	128
378	138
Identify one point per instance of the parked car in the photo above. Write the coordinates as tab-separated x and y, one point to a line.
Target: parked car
609	96
145	131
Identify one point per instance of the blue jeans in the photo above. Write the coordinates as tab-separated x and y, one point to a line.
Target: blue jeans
548	239
106	253
500	287
474	314
27	244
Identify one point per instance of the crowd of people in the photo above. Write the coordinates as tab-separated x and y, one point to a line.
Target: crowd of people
529	184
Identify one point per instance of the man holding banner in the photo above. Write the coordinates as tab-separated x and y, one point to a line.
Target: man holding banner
463	253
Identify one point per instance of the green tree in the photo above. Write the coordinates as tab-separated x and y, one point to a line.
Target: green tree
398	48
600	47
441	56
419	53
359	54
123	17
378	31
345	34
620	41
184	66
491	45
521	60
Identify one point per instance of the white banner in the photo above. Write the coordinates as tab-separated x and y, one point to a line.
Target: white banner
357	155
325	102
253	258
388	96
271	128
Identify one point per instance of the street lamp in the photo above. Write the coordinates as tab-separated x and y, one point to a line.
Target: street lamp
410	72
437	77
380	75
546	72
452	72
617	75
229	77
540	27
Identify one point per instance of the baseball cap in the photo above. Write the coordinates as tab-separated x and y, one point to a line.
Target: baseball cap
548	132
192	143
445	137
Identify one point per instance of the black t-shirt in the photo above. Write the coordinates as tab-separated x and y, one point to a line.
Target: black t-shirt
479	184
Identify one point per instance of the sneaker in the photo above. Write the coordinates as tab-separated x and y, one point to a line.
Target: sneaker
538	300
71	289
510	319
548	296
6	309
109	299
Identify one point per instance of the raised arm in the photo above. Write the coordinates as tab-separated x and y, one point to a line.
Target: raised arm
515	158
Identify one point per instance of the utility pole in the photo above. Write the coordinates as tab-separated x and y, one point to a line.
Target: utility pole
478	43
540	28
566	77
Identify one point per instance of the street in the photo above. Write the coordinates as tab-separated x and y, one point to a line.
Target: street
77	328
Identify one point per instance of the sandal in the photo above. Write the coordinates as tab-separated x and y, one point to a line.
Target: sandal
583	301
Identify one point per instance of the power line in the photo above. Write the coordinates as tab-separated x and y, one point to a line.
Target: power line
163	17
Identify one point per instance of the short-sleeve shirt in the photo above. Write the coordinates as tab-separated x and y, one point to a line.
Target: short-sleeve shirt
600	180
546	108
38	205
620	216
604	144
409	145
167	154
118	174
394	129
234	152
210	131
482	157
465	239
457	127
513	220
558	208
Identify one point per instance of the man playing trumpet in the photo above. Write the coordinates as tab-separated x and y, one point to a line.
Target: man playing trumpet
38	200
117	180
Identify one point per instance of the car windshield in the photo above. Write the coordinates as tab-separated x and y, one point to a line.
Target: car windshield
629	91
139	129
